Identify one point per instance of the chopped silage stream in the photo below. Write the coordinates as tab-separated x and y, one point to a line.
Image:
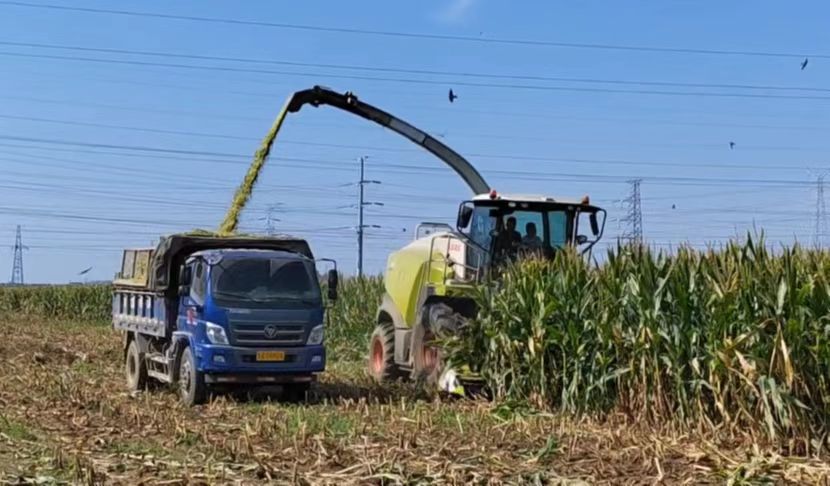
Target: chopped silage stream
66	417
246	188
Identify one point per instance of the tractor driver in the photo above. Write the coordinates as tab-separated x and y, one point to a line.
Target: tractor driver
509	239
531	244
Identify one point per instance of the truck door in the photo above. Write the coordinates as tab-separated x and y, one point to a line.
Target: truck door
191	304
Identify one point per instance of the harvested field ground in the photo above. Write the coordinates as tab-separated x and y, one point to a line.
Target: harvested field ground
65	417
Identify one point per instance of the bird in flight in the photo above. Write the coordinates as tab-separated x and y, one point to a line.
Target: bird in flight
731	145
452	96
85	271
804	63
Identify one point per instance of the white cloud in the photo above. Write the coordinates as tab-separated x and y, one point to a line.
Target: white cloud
456	10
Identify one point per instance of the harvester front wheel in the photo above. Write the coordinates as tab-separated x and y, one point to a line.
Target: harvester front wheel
427	359
381	366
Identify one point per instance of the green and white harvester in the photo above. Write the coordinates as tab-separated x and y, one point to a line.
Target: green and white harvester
430	282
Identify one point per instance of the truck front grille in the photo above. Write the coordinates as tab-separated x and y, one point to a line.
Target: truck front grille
265	333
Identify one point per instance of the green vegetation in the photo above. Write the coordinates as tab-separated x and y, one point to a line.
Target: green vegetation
15	430
738	337
352	318
77	302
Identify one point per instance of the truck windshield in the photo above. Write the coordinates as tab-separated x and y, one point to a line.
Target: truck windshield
265	280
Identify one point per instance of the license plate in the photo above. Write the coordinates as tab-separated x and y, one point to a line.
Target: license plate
270	356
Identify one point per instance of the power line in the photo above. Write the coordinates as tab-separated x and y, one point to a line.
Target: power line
414	151
223	116
335	165
214	135
420	35
510	86
430	72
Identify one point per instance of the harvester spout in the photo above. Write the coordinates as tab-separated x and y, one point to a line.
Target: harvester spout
348	102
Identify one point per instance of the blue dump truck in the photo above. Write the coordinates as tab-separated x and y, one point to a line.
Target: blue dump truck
201	312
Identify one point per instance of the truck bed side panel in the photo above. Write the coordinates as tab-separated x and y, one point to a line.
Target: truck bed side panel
142	312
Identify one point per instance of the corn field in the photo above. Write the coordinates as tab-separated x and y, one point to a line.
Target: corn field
76	302
738	337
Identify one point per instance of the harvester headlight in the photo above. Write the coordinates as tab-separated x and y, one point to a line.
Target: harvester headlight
215	333
316	335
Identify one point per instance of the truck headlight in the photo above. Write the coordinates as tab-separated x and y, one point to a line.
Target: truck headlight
215	333
316	335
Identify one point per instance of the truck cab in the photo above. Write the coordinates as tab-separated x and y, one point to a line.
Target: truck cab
229	316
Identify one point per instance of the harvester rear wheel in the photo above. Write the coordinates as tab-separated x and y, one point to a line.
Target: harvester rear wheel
381	366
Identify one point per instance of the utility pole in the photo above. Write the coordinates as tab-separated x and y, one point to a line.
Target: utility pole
821	213
634	216
361	203
17	264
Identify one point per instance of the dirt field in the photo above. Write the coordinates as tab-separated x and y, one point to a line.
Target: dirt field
65	418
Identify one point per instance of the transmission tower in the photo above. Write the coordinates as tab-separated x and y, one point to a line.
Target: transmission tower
361	204
270	228
821	213
634	214
17	264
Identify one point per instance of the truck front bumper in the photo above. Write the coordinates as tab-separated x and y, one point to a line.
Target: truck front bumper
230	364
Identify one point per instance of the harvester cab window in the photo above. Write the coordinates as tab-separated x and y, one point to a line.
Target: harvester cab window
558	224
483	226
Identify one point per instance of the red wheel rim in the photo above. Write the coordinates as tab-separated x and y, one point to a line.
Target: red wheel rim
429	354
377	357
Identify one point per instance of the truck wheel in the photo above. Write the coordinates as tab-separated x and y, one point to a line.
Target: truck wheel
382	367
135	368
192	387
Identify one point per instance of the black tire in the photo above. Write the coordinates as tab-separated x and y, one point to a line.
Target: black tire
135	368
295	392
192	388
381	363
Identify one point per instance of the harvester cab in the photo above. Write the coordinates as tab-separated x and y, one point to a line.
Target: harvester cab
497	229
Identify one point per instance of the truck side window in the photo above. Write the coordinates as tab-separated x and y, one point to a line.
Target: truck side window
199	285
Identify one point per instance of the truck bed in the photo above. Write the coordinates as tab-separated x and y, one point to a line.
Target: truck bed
139	311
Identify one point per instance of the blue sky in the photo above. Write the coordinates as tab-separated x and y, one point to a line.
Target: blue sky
105	150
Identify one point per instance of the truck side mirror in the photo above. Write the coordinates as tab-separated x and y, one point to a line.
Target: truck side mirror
594	224
465	214
333	280
581	239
